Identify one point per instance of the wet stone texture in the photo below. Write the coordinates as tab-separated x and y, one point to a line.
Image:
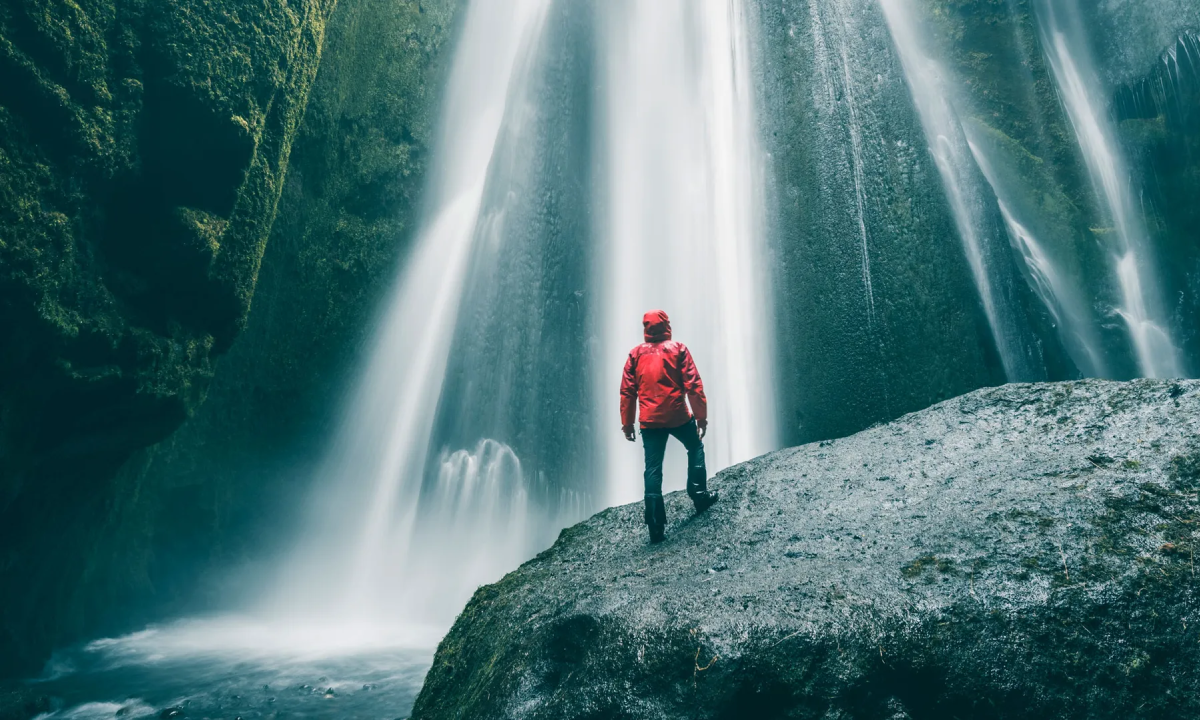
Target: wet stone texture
1018	552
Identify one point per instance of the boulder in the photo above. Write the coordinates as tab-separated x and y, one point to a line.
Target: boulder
1025	551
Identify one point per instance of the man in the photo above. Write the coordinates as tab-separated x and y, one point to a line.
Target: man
659	374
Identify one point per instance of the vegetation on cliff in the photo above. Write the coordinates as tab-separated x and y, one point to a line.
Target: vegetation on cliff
225	485
144	149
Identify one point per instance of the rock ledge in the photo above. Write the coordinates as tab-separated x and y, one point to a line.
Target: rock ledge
1018	552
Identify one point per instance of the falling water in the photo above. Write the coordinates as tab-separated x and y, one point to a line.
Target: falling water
933	92
1058	293
367	561
837	79
1078	88
684	227
436	481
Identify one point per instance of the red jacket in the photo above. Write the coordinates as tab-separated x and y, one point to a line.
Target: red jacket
658	374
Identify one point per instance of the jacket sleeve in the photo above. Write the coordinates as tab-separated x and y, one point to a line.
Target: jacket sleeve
629	392
695	389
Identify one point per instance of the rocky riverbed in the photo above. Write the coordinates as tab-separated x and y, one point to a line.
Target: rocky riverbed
1019	552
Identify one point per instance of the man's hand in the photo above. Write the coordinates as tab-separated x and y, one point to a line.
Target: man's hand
702	429
629	434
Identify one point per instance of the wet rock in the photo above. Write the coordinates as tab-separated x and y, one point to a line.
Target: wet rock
1002	571
18	702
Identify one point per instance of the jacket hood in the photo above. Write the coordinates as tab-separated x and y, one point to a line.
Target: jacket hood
656	326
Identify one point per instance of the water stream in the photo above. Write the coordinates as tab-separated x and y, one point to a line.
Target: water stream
364	549
935	91
683	226
591	166
833	30
1059	294
1141	307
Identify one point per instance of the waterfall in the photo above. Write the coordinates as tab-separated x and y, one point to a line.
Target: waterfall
934	93
683	226
1078	87
1059	294
885	198
460	449
364	557
836	76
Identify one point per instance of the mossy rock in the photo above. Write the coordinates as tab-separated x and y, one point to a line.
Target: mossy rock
143	150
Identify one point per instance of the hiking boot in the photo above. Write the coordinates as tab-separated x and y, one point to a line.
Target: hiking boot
705	501
656	517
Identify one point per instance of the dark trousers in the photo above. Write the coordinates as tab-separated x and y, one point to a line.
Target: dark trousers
654	443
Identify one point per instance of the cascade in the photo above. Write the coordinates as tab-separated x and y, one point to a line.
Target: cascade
1060	294
1066	50
365	559
836	79
597	160
935	93
683	226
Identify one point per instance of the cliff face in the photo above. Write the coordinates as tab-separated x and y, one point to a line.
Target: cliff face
1019	552
1146	59
143	150
877	312
1159	122
143	147
223	487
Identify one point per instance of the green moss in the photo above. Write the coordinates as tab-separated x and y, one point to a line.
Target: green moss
143	149
917	567
346	210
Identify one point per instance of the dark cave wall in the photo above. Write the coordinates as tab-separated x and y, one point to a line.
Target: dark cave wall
849	358
144	149
143	146
224	487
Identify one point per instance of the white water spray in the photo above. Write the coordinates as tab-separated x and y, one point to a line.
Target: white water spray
933	92
1061	297
835	72
684	225
368	562
1070	62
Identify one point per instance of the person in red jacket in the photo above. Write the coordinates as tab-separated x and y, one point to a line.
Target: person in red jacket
659	375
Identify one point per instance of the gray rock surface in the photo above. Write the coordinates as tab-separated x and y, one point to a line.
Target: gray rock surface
1018	552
